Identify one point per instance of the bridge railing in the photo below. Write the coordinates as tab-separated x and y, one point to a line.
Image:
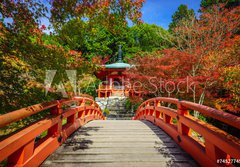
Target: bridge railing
214	147
23	149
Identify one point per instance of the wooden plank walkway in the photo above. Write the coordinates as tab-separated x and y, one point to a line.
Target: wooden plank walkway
119	143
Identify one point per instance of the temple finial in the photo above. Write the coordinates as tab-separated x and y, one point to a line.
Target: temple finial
120	54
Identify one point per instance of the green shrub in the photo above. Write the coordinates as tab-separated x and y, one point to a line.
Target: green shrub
106	112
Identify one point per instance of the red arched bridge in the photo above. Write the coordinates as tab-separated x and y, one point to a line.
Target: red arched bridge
157	136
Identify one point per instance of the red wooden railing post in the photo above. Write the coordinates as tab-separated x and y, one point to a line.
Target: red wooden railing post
56	110
154	105
160	114
57	128
158	103
181	111
81	114
147	111
71	119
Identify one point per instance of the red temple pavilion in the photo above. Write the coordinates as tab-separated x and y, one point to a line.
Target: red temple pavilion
114	82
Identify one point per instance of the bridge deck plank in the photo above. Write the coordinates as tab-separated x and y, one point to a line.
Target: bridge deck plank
119	143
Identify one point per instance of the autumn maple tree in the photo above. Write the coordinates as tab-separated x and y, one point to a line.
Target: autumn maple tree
198	57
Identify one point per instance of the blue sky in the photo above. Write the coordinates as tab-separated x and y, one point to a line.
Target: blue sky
158	12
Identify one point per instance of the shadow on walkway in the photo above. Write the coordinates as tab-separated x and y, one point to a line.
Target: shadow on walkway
168	147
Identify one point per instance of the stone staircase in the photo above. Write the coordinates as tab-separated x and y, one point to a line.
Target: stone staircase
116	106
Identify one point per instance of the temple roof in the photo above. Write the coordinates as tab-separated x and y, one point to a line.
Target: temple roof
118	65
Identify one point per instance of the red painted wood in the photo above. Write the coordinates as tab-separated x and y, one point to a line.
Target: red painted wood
218	144
21	149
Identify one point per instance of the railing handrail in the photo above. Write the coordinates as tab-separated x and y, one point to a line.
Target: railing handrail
217	144
22	149
17	115
222	116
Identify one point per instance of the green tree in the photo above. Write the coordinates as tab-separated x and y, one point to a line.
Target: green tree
182	13
150	37
100	26
91	40
72	35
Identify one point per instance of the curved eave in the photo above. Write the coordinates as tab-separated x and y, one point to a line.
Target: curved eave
118	66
